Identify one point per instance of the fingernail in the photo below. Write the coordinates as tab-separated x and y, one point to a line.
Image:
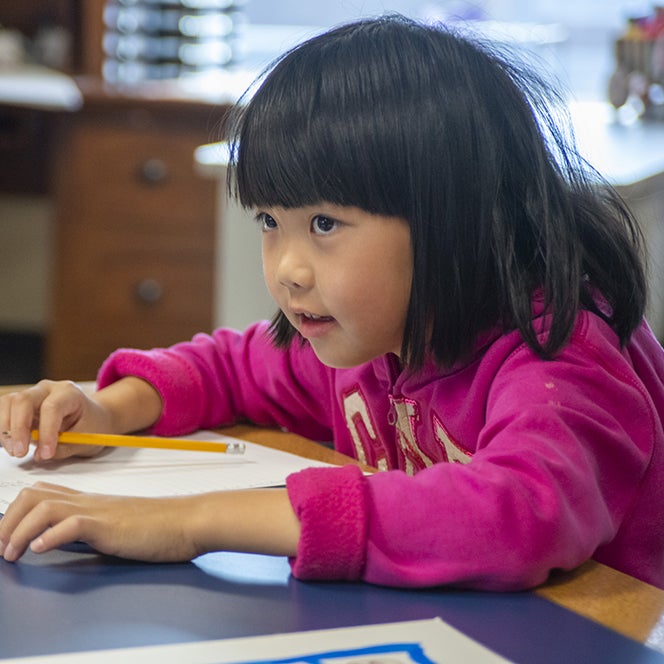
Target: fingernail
37	545
9	553
18	450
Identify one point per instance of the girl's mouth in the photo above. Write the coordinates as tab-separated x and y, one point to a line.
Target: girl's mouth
315	317
312	325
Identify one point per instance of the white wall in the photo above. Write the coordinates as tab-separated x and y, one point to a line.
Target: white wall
607	13
241	296
583	63
25	263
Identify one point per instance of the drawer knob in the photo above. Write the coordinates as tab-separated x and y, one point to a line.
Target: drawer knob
153	171
149	291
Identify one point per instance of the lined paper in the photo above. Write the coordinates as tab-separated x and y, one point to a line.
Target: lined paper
153	472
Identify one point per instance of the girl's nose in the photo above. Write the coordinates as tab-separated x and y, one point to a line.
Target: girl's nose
293	271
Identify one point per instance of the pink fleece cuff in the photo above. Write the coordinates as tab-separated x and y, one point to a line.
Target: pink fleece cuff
331	504
172	378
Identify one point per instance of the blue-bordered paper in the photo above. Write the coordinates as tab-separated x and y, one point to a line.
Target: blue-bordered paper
414	642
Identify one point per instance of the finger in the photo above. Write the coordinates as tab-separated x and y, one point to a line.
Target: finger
64	451
28	520
17	407
10	547
21	417
50	424
6	441
70	529
5	420
26	500
63	401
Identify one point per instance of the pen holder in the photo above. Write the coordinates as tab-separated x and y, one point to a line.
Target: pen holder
638	80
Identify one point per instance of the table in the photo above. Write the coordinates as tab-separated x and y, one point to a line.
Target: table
78	600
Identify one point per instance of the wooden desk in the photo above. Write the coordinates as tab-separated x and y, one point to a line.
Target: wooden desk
604	595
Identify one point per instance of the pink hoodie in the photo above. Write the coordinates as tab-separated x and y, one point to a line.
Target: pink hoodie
496	472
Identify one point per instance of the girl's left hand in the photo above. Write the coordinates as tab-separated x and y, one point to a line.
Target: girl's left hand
46	516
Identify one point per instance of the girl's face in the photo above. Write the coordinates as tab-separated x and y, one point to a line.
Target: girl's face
342	276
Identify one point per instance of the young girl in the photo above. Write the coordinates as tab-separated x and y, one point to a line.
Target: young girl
460	307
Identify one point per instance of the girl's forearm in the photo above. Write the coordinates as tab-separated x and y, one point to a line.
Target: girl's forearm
176	529
132	403
255	521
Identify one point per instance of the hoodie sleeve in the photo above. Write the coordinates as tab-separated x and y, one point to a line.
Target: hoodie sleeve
326	551
228	376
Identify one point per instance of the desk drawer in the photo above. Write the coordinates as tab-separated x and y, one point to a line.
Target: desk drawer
128	297
138	178
167	288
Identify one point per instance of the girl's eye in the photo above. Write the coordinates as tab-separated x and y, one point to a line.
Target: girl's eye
265	221
322	225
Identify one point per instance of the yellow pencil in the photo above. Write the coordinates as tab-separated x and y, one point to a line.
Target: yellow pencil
114	440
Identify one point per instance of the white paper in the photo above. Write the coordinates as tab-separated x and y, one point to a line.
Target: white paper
424	641
155	472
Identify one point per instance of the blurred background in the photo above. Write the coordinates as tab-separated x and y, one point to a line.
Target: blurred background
114	227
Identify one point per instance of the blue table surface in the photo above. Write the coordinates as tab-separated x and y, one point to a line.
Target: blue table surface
75	600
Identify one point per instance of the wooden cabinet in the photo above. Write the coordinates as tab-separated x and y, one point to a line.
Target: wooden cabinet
133	261
81	21
26	133
134	256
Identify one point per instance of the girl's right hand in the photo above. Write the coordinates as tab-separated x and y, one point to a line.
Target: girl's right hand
51	407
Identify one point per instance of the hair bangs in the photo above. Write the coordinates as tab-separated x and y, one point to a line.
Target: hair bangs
322	126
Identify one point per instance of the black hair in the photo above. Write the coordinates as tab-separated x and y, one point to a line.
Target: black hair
416	121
